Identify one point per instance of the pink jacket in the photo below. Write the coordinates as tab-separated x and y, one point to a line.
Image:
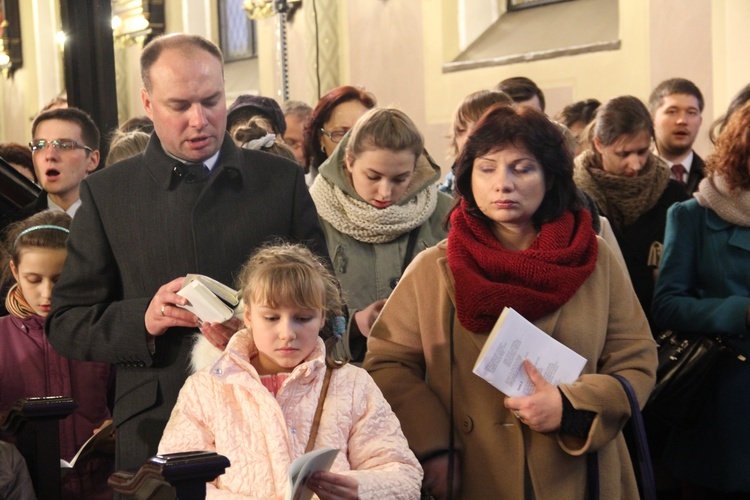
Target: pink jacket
225	408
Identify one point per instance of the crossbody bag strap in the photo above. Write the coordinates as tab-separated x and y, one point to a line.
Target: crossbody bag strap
645	470
451	438
319	410
410	246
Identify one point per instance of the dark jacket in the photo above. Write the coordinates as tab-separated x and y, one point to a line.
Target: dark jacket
140	226
704	287
636	240
697	172
30	367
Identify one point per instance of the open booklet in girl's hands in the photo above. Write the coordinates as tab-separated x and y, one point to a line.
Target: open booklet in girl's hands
210	300
514	339
91	444
304	467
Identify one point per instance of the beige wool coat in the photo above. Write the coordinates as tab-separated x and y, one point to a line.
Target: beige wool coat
603	322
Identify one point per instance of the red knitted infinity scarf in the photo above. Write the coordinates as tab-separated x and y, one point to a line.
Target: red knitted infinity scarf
534	282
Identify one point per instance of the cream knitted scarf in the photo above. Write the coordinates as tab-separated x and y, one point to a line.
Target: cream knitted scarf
732	205
622	199
364	222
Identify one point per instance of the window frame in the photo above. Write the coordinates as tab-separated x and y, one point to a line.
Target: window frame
515	5
250	47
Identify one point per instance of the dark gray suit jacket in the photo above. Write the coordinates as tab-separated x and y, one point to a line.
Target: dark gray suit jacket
140	226
695	175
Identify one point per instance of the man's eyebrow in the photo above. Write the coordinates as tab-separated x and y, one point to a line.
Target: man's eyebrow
177	100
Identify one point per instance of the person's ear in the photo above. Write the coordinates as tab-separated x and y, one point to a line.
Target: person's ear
598	144
14	270
147	104
322	143
94	158
246	317
349	161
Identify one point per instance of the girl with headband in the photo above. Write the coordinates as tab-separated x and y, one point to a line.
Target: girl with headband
33	255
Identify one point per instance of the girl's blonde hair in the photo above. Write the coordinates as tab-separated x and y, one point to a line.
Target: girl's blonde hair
384	128
123	145
285	274
47	229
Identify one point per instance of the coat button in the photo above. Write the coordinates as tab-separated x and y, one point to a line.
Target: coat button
467	425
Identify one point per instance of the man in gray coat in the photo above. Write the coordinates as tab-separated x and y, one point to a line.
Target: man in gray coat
193	202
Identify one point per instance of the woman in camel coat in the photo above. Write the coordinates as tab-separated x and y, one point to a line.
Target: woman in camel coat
518	239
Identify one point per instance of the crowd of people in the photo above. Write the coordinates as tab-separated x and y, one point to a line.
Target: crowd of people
369	285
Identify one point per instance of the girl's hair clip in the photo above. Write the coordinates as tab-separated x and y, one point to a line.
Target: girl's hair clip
263	142
339	326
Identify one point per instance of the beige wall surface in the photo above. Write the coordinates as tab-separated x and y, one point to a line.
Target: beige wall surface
598	75
681	46
731	41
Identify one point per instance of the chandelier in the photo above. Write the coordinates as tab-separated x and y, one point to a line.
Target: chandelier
262	9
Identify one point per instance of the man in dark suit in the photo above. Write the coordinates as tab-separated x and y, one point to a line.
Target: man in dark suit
676	106
193	202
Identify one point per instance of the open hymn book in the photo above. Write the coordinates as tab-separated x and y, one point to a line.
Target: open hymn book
304	467
87	447
210	300
514	339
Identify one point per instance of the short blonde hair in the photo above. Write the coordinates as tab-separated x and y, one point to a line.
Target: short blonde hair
123	145
285	274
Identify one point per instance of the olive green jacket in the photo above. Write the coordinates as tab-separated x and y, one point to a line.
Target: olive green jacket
369	271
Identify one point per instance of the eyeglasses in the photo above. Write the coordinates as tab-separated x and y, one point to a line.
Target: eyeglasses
59	144
336	135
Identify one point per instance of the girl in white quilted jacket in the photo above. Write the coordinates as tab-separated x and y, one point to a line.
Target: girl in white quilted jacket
256	403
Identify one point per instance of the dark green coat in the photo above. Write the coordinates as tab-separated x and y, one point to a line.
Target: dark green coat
704	286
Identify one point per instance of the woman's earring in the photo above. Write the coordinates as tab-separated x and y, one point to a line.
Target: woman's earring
322	148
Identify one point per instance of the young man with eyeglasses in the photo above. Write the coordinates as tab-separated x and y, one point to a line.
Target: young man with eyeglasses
65	149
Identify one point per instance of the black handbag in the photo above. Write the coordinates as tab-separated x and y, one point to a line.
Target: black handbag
686	375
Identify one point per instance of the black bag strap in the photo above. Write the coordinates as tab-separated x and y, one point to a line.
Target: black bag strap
410	246
645	471
592	465
451	438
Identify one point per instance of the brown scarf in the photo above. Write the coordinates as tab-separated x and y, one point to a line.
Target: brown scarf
731	205
622	199
534	282
16	304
